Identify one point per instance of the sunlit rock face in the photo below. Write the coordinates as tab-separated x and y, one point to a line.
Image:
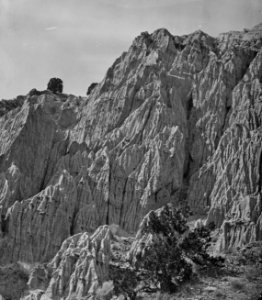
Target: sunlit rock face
77	270
176	119
81	265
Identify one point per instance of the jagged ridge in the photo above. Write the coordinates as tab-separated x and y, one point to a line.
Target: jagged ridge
176	119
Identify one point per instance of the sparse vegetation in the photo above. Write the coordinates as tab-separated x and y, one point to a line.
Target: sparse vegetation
220	294
165	262
157	296
252	253
35	92
55	85
13	281
252	272
162	264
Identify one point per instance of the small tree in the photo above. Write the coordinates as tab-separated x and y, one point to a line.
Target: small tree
163	266
166	249
55	85
162	263
35	92
162	255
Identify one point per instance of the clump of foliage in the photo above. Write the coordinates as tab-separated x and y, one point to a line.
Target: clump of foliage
195	245
163	267
125	279
163	254
162	264
252	253
55	85
7	105
35	92
13	281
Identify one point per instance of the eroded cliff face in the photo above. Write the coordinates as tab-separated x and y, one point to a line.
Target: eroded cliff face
176	119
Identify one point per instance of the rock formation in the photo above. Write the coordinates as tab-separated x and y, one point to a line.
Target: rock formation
80	266
176	119
162	255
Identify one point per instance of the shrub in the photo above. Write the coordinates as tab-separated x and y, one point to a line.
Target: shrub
162	255
158	296
91	87
252	253
164	262
55	85
163	265
34	92
125	281
252	272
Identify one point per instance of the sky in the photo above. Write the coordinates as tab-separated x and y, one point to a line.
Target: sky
78	40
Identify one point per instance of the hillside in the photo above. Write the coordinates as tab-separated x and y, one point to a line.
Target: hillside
176	119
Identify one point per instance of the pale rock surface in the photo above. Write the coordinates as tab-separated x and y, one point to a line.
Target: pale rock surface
176	119
78	269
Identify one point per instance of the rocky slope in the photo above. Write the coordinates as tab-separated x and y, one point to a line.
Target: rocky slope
164	254
176	119
86	263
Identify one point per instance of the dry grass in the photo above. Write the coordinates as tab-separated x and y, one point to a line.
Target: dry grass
220	294
158	296
252	273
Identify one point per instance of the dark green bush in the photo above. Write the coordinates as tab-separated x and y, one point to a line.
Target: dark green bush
55	85
163	254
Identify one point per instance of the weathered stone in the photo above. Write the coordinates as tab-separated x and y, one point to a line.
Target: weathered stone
80	266
176	119
13	280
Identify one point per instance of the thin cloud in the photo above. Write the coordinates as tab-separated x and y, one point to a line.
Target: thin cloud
51	28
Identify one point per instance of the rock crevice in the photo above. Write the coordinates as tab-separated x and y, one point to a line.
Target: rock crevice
176	119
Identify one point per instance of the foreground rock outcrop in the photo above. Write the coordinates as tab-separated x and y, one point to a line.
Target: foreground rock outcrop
112	263
176	119
78	269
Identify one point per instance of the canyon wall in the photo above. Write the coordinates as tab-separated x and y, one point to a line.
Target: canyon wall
175	119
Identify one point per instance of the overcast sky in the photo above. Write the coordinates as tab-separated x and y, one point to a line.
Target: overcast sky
78	40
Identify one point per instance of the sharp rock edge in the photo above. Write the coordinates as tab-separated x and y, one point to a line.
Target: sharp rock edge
176	119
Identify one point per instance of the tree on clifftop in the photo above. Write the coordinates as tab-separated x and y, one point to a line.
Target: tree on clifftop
55	85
